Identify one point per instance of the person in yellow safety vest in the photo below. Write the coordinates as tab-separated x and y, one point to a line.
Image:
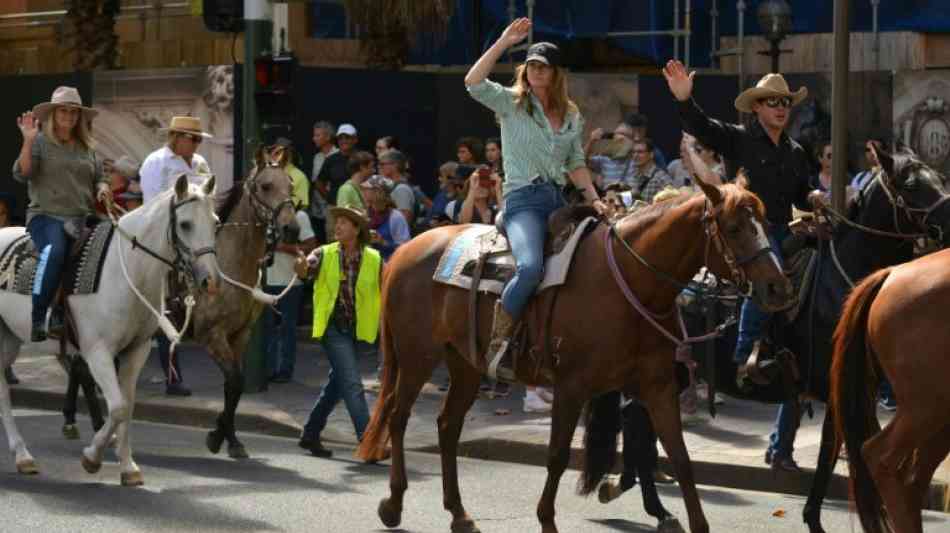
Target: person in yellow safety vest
346	306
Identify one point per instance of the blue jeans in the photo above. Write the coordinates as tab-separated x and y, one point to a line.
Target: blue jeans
752	319
281	332
52	244
782	439
526	222
343	383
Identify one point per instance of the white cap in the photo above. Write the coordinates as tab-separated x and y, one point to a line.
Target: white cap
346	129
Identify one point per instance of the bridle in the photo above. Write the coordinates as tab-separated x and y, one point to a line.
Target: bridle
714	235
264	215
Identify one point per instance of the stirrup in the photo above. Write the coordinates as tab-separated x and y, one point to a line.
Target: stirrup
496	370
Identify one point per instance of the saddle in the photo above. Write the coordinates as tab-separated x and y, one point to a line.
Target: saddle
81	274
479	259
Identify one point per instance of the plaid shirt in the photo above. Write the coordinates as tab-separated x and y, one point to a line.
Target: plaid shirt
645	185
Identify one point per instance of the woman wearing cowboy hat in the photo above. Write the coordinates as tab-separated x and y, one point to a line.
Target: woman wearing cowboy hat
346	307
64	178
777	170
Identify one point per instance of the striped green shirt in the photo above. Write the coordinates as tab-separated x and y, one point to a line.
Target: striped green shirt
530	148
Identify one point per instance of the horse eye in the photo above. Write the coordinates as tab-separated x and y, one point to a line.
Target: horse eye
185	226
734	230
266	187
911	184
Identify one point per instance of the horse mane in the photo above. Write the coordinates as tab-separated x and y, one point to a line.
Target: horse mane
225	207
734	198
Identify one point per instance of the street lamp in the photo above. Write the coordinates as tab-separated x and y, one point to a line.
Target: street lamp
775	18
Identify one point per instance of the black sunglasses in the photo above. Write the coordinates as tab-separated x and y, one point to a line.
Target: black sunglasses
777	101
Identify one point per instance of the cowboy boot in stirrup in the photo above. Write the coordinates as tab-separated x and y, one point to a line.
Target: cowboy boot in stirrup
749	373
503	326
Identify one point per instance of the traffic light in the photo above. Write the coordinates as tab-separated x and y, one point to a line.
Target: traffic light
273	93
223	15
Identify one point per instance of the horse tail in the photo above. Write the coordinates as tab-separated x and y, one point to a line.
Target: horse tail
602	420
376	436
853	384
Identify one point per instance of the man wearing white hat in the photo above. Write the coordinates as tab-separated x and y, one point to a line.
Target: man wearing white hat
178	156
777	170
158	172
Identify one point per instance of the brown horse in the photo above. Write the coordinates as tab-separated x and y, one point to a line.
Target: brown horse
893	323
604	343
251	217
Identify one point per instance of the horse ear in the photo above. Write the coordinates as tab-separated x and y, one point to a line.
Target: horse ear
711	191
181	187
208	186
885	159
260	160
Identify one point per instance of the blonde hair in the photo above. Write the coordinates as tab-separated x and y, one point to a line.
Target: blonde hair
80	131
560	100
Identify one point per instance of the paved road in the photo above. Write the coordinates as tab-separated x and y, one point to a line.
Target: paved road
285	490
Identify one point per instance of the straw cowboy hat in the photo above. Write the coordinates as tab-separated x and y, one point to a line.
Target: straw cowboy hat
356	216
63	97
189	125
770	85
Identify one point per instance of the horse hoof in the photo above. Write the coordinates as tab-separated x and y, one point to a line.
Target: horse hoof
132	479
27	467
670	525
609	491
213	441
70	431
90	466
237	452
391	517
465	525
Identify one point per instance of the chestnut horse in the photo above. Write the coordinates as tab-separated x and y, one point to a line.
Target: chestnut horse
649	253
893	326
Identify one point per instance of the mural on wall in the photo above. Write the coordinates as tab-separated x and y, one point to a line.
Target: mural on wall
135	105
604	99
922	115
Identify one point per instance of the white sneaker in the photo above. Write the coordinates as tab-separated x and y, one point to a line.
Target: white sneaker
535	404
545	394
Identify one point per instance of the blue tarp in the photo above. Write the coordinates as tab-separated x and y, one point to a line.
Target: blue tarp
565	20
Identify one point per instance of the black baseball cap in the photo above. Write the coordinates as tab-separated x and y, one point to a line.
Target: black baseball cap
547	53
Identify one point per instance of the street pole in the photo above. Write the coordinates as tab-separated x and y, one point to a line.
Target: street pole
839	98
775	52
257	39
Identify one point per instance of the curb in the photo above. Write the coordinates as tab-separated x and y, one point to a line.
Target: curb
279	424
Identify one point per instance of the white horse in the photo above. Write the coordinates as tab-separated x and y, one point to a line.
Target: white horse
176	228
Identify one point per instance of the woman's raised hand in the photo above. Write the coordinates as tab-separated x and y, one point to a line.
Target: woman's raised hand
516	32
680	81
28	125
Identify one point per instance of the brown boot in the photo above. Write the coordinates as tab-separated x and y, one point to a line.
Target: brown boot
497	359
749	373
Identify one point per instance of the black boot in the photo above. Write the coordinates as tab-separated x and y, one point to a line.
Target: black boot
10	376
38	331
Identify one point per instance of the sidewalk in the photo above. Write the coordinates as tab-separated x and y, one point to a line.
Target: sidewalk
727	451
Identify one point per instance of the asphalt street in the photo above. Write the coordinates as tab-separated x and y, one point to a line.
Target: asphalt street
284	489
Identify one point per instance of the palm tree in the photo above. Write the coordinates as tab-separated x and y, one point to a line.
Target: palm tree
89	33
389	28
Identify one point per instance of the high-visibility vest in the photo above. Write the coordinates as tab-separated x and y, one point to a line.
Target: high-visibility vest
368	297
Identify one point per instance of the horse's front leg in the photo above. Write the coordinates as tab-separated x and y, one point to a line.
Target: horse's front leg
129	370
102	368
228	360
564	415
660	395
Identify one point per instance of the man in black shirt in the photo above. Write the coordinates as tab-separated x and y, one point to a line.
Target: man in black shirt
777	170
334	173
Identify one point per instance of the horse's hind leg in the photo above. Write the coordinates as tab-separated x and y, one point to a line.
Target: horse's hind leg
891	458
463	390
411	379
129	372
663	405
827	458
564	416
24	461
931	456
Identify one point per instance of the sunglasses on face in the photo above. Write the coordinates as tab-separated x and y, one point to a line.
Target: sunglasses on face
194	138
777	101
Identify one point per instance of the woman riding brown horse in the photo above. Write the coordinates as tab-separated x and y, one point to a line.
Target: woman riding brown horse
892	324
650	254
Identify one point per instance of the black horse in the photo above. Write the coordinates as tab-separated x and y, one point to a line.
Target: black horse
904	203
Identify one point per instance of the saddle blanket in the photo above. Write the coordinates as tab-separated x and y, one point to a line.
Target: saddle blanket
468	246
83	269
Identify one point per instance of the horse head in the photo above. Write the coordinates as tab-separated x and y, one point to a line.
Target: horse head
269	189
917	194
734	221
191	228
